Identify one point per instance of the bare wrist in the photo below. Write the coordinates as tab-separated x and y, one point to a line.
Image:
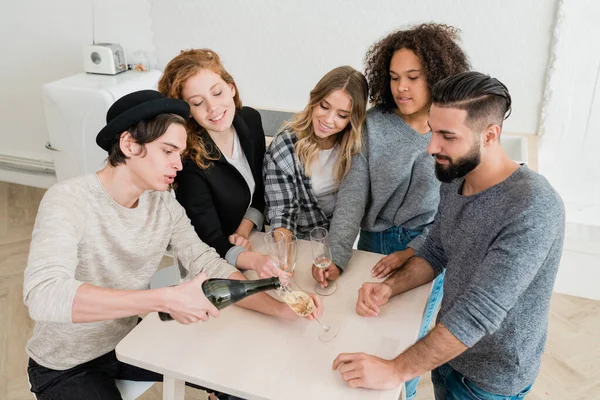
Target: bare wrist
162	299
390	284
399	369
410	251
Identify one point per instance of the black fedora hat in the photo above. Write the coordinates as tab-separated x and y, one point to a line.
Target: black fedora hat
135	107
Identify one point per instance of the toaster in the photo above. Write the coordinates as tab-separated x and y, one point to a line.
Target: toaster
104	58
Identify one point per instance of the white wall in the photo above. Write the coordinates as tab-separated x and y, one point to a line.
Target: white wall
42	41
277	51
570	141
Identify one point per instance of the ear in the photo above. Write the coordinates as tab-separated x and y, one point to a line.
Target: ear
128	146
232	87
491	134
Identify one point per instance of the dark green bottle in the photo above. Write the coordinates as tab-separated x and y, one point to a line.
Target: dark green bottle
224	292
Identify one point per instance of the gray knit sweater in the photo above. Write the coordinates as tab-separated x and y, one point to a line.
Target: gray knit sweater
391	183
82	235
501	249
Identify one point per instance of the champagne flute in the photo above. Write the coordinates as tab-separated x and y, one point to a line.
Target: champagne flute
321	252
290	252
303	305
274	240
283	250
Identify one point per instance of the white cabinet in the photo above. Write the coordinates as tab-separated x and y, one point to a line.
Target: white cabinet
75	109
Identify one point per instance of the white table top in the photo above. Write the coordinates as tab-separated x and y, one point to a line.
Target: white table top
255	356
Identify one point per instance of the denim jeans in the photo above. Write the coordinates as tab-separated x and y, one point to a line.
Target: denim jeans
93	380
449	384
389	241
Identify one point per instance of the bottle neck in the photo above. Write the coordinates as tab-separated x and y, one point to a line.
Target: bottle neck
261	285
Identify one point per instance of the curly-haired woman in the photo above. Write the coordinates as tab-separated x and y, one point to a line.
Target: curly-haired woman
391	193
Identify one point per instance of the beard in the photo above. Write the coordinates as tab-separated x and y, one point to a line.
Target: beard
459	168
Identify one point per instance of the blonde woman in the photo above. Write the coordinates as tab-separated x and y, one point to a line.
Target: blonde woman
307	160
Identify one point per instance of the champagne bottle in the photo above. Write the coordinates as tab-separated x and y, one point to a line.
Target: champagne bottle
224	292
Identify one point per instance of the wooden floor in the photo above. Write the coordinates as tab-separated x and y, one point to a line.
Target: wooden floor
570	367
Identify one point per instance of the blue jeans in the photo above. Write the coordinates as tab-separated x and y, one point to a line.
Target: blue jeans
389	241
449	384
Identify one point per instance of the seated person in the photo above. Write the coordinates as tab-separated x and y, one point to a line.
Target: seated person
307	160
498	234
97	241
220	186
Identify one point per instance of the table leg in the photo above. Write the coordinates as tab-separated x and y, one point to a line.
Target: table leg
173	389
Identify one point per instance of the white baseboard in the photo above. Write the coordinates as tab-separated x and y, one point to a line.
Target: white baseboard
40	180
579	271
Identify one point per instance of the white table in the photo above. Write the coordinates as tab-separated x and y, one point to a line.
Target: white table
255	356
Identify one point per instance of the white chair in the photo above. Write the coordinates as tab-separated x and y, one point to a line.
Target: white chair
167	276
131	390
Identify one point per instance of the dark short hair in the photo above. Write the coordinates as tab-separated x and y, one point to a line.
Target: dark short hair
486	100
144	132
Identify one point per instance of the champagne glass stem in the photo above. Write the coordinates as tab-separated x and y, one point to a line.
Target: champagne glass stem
325	327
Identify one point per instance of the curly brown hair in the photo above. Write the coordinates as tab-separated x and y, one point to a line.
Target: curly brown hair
434	44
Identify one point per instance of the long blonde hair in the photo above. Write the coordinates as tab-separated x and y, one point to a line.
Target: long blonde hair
187	64
307	147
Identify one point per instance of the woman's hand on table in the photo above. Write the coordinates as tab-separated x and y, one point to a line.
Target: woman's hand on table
390	263
237	239
187	303
321	275
371	296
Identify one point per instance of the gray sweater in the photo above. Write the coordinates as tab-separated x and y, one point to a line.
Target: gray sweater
501	249
391	183
82	235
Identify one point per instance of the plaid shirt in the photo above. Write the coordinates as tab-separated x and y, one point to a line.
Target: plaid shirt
290	199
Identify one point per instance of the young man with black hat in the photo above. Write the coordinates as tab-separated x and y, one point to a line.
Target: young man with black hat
97	241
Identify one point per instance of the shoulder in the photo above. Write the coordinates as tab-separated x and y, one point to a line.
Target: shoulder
190	168
535	193
281	151
71	198
252	119
377	115
249	114
165	201
73	191
283	142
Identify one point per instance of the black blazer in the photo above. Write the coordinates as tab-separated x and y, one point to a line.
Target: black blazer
216	199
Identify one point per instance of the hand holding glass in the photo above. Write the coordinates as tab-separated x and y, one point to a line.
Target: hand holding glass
321	251
303	305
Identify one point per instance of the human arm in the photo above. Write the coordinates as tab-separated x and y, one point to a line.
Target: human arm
280	183
51	290
372	295
360	370
349	209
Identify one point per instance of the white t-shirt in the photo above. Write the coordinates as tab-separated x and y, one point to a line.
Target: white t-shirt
324	184
240	162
